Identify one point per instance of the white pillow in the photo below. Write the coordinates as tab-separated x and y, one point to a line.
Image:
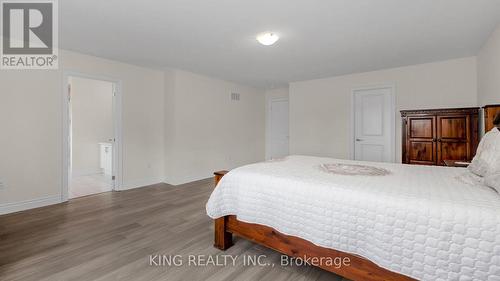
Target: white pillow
487	159
493	181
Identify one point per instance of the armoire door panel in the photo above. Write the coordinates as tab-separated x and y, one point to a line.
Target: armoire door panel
452	151
421	127
421	151
452	127
453	138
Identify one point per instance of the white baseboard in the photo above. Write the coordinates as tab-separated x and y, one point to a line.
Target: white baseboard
8	208
176	182
140	183
188	179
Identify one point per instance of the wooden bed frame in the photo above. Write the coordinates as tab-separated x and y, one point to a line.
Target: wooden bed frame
359	268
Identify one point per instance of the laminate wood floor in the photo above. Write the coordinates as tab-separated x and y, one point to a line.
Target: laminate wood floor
110	236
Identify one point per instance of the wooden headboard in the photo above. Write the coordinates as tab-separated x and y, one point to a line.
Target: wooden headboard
490	111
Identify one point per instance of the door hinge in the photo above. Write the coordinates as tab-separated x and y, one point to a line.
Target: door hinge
113	178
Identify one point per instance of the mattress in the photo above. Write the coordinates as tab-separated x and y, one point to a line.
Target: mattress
426	222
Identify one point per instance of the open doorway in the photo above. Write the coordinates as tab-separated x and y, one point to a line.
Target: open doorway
91	134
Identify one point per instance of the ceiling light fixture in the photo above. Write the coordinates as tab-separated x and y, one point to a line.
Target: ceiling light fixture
267	38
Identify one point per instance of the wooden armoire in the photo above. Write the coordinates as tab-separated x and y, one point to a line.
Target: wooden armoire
490	112
431	136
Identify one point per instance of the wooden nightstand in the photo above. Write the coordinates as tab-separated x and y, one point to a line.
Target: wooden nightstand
456	163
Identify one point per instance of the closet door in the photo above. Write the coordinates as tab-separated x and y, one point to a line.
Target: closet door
421	140
453	133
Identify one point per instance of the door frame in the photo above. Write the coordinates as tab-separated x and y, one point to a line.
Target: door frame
392	126
268	124
117	129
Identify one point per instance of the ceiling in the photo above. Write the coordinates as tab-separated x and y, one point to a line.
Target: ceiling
319	38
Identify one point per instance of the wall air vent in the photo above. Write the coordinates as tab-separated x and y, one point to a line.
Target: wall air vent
235	96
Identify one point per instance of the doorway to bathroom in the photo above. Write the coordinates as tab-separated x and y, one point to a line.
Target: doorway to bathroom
91	138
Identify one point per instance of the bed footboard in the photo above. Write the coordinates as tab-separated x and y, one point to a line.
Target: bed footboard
222	239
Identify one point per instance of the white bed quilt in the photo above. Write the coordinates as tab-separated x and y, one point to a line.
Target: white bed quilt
420	221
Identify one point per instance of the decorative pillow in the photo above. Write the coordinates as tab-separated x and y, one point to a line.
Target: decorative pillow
479	166
487	159
469	178
493	181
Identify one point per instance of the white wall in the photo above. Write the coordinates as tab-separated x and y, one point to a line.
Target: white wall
279	93
205	130
92	122
488	70
177	127
31	123
320	110
30	137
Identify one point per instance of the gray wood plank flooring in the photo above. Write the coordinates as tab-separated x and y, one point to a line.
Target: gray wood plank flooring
110	236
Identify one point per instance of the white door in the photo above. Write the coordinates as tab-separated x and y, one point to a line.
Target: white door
373	125
278	129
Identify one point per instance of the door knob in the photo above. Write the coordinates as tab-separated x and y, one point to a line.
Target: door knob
359	140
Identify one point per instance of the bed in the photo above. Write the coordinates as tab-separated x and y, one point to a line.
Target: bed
392	221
